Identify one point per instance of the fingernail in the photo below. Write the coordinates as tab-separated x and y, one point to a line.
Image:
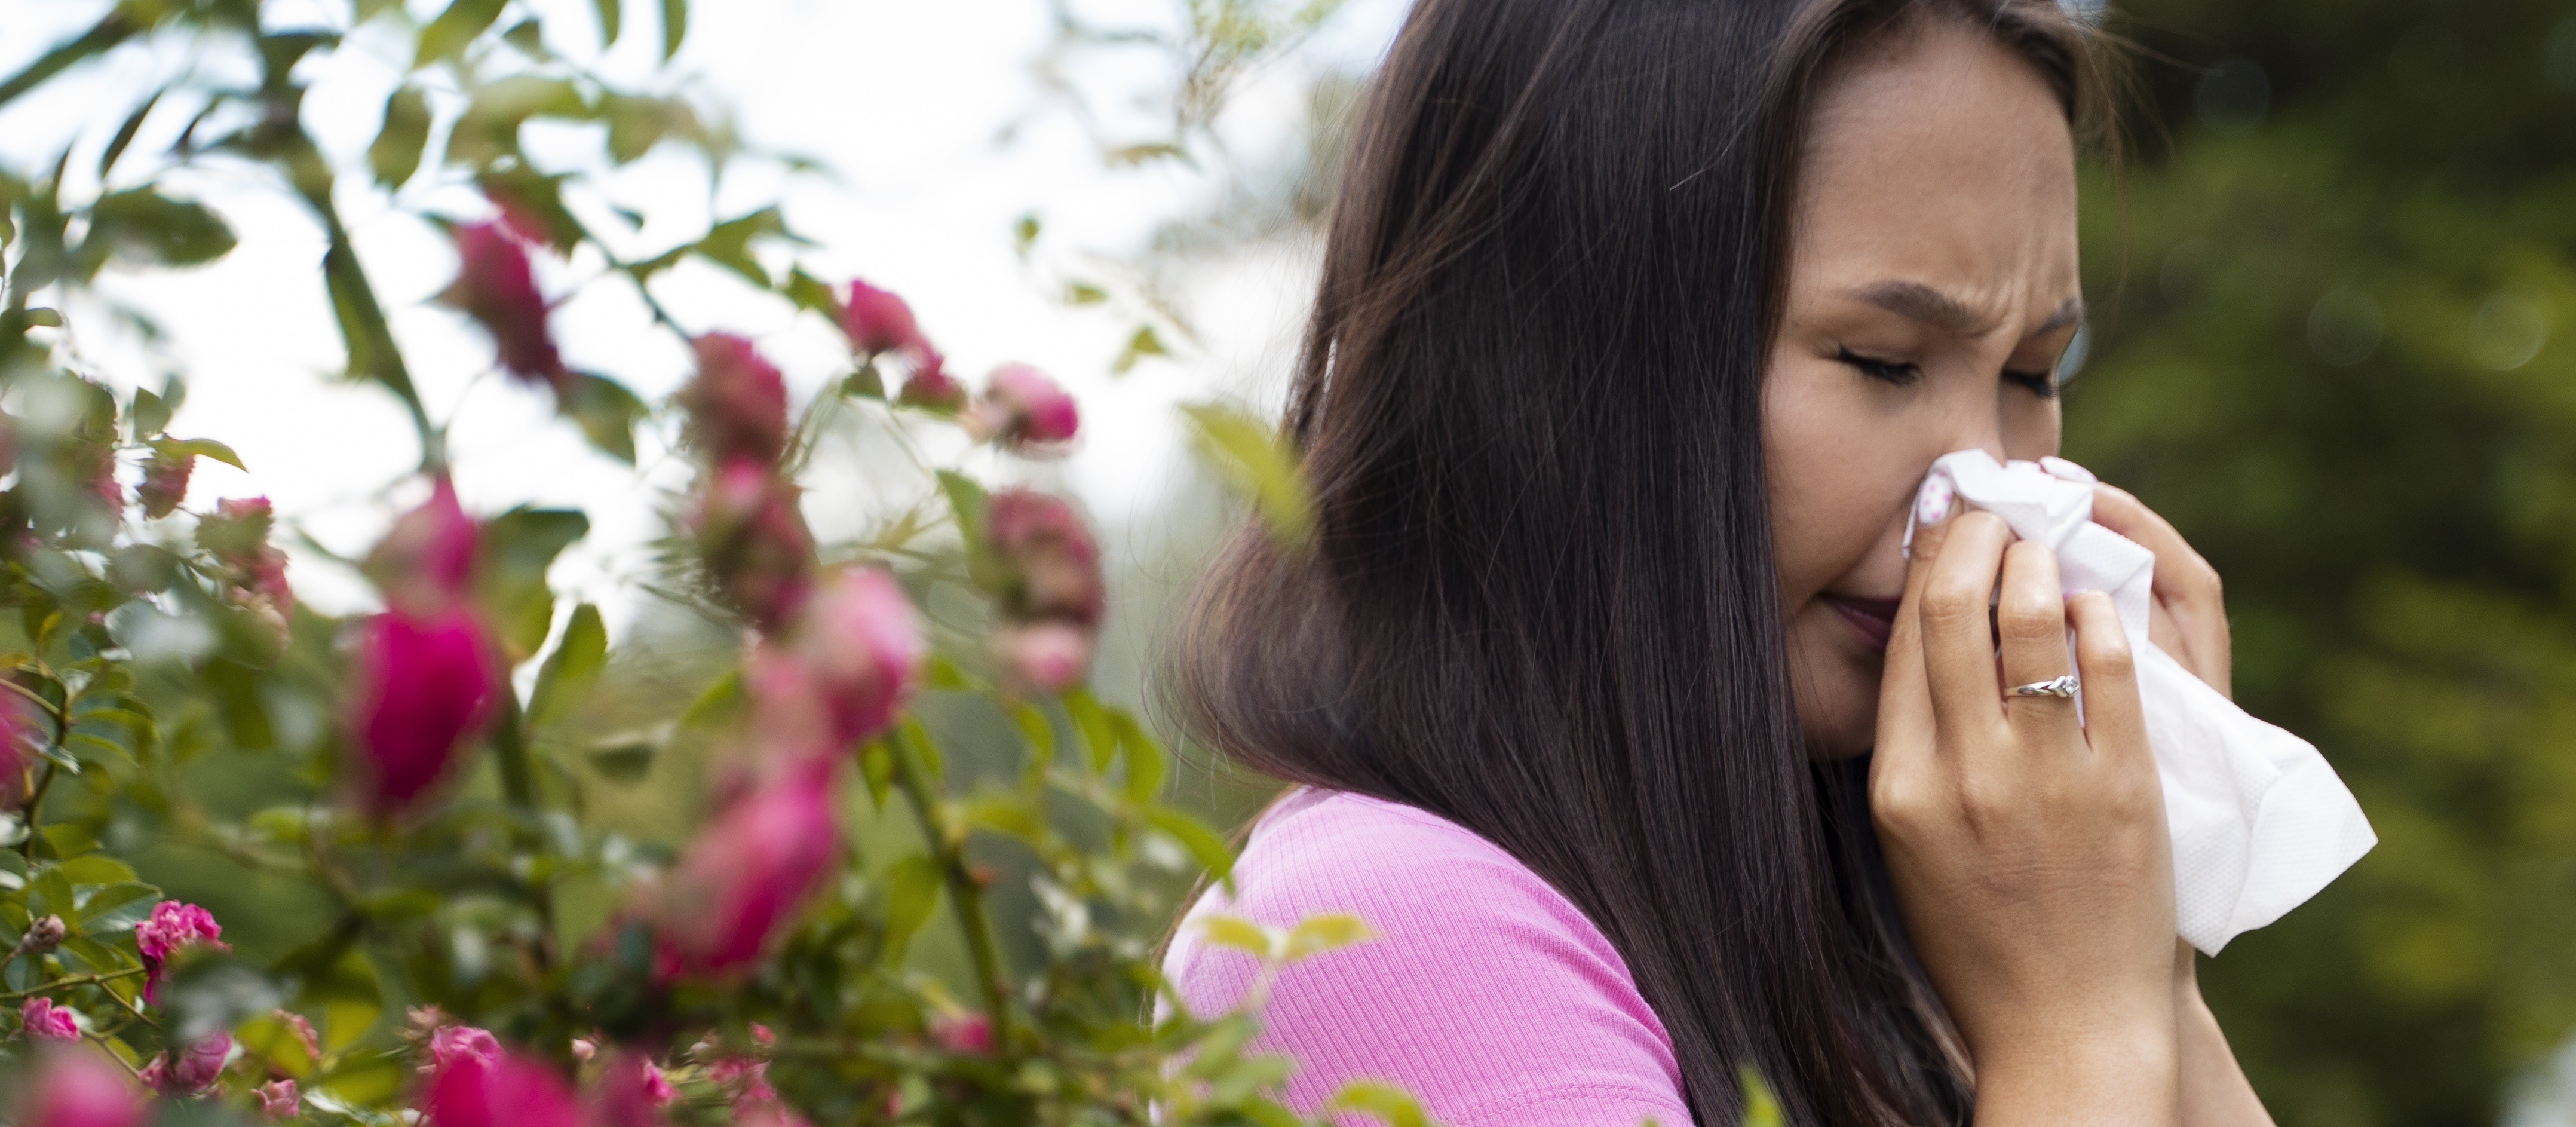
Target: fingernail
1932	502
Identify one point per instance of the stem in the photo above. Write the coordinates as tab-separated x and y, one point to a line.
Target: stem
519	789
68	983
963	889
36	798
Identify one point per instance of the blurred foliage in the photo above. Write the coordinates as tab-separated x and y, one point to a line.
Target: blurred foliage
2335	342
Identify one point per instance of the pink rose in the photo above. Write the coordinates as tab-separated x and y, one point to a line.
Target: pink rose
79	1088
165	483
507	1090
878	321
173	927
42	1018
1051	563
278	1099
1045	656
847	664
738	404
969	1033
748	873
1024	409
189	1070
931	386
303	1031
450	1045
24	731
424	685
495	286
425	562
754	539
746	1079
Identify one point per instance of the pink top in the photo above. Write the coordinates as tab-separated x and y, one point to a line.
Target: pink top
1487	994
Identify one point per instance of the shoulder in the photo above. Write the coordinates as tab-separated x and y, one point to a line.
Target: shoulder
1486	991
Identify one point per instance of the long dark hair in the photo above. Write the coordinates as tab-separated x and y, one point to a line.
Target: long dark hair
1540	598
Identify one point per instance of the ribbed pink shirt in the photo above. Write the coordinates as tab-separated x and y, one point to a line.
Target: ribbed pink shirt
1487	994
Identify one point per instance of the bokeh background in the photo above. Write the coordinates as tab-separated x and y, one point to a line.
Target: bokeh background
2334	272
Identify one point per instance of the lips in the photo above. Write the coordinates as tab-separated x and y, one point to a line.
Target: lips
1874	619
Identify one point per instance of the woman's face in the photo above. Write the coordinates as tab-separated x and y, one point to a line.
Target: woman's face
1932	285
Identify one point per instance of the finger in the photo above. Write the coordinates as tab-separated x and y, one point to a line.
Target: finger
2030	619
2114	722
1904	700
2184	581
1958	645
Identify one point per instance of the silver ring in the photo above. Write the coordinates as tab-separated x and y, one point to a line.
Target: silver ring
2063	688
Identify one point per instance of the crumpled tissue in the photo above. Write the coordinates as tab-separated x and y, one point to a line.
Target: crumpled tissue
2260	822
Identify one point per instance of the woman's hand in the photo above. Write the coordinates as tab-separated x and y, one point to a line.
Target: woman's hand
2189	618
2028	850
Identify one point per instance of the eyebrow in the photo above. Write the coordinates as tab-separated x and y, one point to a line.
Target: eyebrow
1918	302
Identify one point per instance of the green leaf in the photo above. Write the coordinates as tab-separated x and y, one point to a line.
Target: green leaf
529	36
625	757
534	198
876	765
728	244
97	868
1146	762
1761	1107
147	228
1386	1102
967	501
517	549
1024	234
50	893
636	124
199	448
1143	344
611	19
1211	851
125	133
115	909
571	668
866	383
675	26
912	892
1261	942
489	128
395	155
717	704
1099	736
1084	293
148	415
1255	460
346	999
913	735
813	295
367	1081
1315	935
1040	734
606	413
447	36
277	1043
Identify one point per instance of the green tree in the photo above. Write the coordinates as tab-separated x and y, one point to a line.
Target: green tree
2331	342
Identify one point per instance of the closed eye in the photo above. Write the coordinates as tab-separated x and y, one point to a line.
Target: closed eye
2041	384
1894	372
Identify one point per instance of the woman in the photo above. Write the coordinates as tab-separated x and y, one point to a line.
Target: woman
1619	712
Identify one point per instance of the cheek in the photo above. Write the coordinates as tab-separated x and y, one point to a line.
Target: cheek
1838	461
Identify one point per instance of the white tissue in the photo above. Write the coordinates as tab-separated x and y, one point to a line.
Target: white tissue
2260	822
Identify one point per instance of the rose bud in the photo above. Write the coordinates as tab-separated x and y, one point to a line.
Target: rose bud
507	1090
40	1017
452	1044
190	1070
748	872
1045	656
878	321
1050	564
1024	409
738	403
424	685
969	1033
303	1031
44	934
754	540
79	1088
930	386
173	927
495	286
858	646
165	483
278	1099
426	560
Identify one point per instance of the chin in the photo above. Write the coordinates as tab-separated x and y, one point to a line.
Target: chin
1836	681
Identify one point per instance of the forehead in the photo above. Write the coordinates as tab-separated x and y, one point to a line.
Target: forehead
1940	157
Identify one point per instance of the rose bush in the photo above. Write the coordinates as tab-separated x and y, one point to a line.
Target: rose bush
478	948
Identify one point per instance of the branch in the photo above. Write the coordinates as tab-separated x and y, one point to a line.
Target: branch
68	983
963	889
